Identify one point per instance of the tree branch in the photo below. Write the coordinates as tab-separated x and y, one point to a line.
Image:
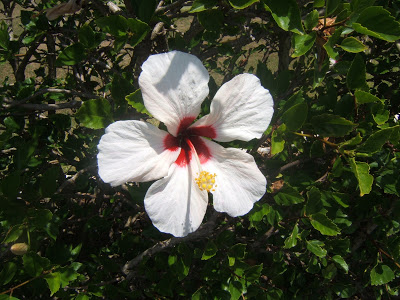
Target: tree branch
202	232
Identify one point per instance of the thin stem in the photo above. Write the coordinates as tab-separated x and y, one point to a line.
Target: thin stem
317	138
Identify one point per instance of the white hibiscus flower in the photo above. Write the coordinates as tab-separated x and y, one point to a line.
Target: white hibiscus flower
184	159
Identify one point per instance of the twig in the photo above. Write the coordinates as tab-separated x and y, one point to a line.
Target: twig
163	9
203	231
73	178
51	107
51	90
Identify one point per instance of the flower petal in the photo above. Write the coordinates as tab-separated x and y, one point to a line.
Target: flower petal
241	110
173	85
175	204
134	151
239	182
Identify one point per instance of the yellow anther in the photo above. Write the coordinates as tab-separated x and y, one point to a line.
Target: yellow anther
206	181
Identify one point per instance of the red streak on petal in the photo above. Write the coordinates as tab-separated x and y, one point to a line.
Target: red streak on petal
185	156
171	143
202	150
185	123
207	131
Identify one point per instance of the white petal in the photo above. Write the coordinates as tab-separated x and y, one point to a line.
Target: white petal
239	182
134	151
241	110
173	86
175	204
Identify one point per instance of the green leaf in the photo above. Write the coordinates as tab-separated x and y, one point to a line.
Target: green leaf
365	97
287	196
87	36
295	116
356	76
379	113
200	5
381	274
277	140
10	184
376	140
39	217
116	25
34	264
377	22
361	171
303	43
352	45
253	273
315	247
4	36
331	6
324	225
120	88
329	272
71	55
314	204
235	289
8	272
48	181
291	241
139	31
212	19
341	262
53	281
330	45
311	20
352	142
13	234
240	4
286	14
210	250
135	100
257	213
329	125
95	113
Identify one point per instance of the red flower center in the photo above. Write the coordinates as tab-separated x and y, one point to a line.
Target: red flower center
186	135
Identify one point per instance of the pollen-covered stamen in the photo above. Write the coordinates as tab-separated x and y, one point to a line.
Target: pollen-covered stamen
206	181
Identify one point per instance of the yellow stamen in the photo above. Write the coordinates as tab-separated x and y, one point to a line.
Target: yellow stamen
206	181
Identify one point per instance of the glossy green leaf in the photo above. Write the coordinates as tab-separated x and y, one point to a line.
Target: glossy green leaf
287	196
331	6
211	20
138	29
7	273
116	25
315	247
53	281
379	113
71	55
277	140
34	264
210	250
381	274
87	36
291	240
13	234
361	171
95	113
200	5
311	20
257	213
332	125
356	76
365	97
377	22
376	140
330	45
295	116
286	14
253	273
120	88
4	36
341	262
235	289
303	43
240	4
324	225
135	100
314	203
352	45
